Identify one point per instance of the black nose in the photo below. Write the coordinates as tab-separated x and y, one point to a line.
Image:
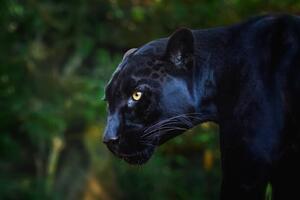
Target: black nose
112	143
110	140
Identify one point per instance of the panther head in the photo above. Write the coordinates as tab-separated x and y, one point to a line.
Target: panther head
156	93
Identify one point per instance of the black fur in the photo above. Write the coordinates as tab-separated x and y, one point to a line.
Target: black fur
245	77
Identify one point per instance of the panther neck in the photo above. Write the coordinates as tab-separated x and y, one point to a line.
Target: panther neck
210	51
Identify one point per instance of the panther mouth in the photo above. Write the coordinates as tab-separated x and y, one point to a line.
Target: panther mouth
138	151
141	157
138	158
134	158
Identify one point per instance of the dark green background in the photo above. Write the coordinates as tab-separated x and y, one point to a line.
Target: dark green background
55	58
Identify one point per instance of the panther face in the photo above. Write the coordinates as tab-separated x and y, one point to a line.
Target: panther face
151	97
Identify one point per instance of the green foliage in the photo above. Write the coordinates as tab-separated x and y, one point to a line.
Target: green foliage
56	57
269	192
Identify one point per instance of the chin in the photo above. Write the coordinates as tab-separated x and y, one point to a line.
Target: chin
138	158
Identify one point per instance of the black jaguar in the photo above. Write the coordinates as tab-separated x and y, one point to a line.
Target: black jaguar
245	77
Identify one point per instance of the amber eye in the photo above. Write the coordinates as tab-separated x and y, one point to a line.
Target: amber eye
137	95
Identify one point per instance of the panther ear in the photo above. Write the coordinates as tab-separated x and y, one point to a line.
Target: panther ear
128	52
180	48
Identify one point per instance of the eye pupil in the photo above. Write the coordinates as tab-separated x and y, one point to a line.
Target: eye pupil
137	95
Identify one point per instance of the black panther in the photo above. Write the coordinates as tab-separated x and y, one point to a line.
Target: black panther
245	77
